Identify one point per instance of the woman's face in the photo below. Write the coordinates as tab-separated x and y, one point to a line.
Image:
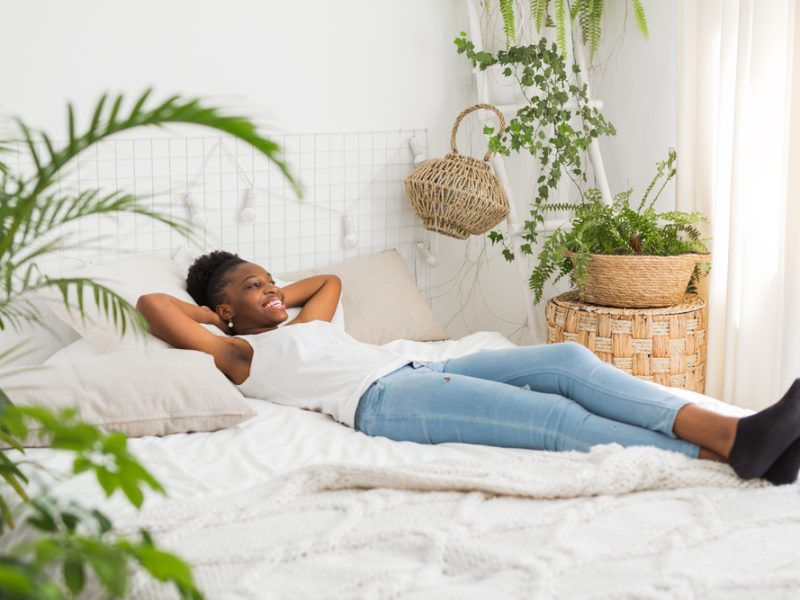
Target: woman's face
252	299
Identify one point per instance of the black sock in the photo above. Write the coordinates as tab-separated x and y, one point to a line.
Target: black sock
785	468
761	438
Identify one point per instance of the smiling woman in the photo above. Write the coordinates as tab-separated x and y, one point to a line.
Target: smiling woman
245	301
552	397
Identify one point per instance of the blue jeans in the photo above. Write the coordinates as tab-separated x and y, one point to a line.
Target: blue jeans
548	397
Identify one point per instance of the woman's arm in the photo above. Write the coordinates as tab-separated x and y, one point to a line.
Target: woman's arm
177	323
318	295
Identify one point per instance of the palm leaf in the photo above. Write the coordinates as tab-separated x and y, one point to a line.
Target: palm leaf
54	211
106	300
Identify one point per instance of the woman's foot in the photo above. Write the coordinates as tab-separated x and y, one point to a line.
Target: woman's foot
763	437
785	468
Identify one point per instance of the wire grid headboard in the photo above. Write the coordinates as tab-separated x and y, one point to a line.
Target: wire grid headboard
354	201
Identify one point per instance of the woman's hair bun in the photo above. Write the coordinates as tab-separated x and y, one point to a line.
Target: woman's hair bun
207	276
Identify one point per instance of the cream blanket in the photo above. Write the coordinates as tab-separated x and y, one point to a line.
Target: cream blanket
623	523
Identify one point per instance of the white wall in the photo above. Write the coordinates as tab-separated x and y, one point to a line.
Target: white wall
315	65
636	79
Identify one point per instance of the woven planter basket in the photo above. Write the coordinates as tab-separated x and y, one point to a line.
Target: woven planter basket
663	345
635	281
457	195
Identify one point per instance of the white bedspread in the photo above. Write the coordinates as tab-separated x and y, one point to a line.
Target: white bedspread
614	523
270	509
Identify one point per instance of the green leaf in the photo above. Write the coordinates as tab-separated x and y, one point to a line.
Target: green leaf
47	550
107	480
109	564
74	576
15	581
103	521
509	26
163	565
561	26
641	20
130	487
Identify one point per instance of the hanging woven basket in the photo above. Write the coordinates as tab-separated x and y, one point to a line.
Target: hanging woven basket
457	195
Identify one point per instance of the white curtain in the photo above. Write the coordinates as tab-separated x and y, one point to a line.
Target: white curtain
739	163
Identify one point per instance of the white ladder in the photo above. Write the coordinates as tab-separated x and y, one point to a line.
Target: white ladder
513	223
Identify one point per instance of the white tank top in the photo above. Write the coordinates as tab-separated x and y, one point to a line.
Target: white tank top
316	366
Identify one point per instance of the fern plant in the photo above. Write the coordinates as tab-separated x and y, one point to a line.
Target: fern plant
589	14
617	228
72	540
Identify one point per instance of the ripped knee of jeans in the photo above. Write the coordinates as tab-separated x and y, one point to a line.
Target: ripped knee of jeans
526	387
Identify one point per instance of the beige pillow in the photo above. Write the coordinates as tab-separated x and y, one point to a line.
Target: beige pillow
155	393
381	301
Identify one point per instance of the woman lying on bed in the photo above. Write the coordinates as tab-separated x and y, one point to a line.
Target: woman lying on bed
549	397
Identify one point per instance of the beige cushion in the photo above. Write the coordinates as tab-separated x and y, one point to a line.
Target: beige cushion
155	393
381	300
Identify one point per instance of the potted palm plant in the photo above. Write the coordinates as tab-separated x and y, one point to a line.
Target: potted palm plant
75	544
618	256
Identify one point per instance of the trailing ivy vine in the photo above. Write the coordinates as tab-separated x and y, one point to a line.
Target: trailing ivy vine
556	124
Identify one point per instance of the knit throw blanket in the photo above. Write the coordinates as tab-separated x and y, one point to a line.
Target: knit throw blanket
623	523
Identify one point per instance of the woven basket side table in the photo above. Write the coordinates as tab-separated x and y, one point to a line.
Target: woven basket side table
665	345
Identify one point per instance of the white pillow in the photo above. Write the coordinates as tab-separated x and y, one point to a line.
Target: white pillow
167	391
34	341
77	350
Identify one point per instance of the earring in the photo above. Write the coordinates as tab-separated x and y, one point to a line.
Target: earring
230	324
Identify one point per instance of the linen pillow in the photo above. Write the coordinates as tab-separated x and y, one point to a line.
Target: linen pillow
34	341
163	392
382	301
75	351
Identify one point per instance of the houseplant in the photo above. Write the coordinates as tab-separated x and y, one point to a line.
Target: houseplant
554	13
618	232
556	124
73	543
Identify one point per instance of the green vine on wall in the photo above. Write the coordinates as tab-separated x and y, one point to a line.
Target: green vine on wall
556	124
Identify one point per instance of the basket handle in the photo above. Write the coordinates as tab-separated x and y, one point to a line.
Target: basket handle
464	113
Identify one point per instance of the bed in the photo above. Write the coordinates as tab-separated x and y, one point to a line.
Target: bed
290	504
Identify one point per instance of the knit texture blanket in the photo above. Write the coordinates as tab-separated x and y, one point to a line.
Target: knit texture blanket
624	523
